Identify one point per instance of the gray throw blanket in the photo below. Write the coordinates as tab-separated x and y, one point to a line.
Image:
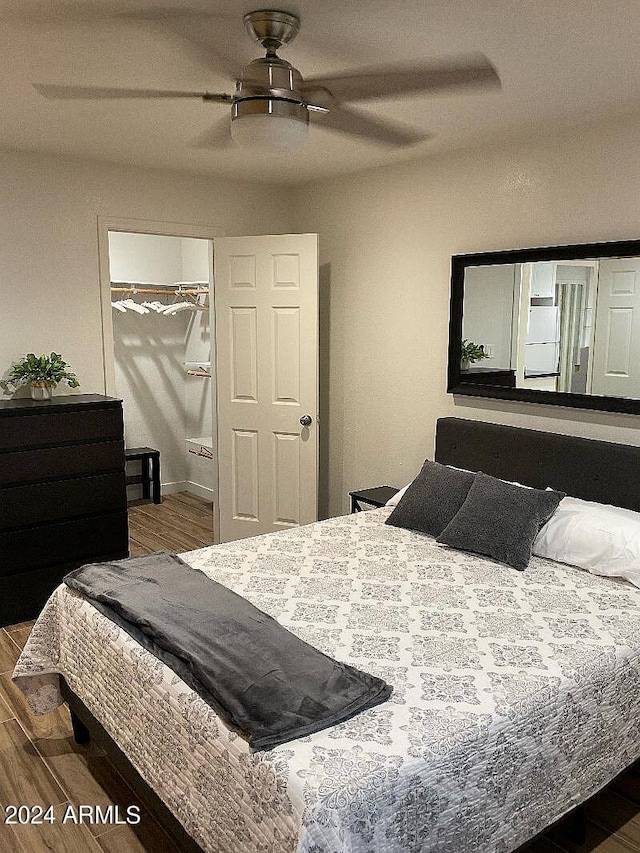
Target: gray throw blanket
265	682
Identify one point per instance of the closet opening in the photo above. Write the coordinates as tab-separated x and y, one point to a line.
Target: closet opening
162	361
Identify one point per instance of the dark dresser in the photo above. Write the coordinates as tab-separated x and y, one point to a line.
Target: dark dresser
63	496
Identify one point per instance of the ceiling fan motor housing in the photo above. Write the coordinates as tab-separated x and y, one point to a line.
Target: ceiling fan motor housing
270	86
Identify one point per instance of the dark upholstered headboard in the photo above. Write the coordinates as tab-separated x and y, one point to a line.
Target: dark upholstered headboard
588	469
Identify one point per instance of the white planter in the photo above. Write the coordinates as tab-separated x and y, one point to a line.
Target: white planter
41	392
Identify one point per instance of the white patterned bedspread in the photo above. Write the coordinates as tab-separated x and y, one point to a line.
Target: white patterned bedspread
516	695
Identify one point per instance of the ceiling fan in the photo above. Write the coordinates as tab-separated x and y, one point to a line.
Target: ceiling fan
273	105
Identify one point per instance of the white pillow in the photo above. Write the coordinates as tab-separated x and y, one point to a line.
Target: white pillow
603	539
393	501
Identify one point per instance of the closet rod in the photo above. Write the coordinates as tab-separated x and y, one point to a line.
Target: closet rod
162	292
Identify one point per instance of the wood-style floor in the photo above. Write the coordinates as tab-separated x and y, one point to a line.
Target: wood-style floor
40	763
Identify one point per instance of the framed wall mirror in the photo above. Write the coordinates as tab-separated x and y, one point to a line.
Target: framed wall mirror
557	325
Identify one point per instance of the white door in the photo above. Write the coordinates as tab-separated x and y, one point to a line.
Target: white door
616	346
266	308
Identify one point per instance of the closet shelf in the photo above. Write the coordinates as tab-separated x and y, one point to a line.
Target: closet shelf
190	288
204	441
198	368
201	446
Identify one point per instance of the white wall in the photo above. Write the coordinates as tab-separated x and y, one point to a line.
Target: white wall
488	311
149	352
197	265
163	405
49	207
386	240
152	258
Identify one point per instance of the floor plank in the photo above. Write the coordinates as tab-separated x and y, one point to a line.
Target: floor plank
147	837
19	625
20	635
84	773
628	785
540	845
136	549
9	652
159	540
190	499
598	840
57	724
5	711
615	813
24	778
166	517
61	836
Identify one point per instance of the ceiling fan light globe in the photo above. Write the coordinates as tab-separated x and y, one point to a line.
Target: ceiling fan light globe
269	123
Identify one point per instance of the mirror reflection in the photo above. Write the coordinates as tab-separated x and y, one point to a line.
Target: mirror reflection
566	326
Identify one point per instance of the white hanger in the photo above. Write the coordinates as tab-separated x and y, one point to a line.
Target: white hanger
135	306
156	306
119	306
179	306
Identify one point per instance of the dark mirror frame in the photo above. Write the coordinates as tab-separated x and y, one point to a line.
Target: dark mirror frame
458	384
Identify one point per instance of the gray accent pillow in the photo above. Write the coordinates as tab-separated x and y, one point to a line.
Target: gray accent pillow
432	500
500	520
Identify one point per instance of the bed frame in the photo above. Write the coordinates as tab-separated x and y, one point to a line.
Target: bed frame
588	469
582	467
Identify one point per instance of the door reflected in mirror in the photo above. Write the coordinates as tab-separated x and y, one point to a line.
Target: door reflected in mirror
567	325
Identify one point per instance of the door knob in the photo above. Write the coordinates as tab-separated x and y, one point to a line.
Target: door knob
306	420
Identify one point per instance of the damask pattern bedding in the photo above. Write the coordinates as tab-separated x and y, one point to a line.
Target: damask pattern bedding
516	695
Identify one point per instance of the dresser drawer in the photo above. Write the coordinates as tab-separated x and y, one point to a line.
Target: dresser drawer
23	596
60	427
44	502
62	542
32	466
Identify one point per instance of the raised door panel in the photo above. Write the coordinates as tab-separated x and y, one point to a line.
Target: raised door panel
285	350
243	358
616	353
618	342
286	479
245	478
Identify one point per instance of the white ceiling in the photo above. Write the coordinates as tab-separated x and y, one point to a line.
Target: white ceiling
562	63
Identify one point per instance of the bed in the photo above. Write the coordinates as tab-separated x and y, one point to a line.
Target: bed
516	694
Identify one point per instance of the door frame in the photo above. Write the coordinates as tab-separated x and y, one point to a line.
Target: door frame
135	226
164	229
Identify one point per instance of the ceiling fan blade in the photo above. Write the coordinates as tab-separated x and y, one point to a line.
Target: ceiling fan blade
356	123
217	136
101	93
402	79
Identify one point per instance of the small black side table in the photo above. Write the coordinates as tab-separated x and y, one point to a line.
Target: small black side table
149	475
374	497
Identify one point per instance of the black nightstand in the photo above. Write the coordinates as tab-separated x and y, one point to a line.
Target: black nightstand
374	497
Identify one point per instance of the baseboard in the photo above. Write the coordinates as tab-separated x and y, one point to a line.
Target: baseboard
202	491
135	492
171	488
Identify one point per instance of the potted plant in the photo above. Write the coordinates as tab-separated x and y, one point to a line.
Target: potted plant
470	353
42	373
